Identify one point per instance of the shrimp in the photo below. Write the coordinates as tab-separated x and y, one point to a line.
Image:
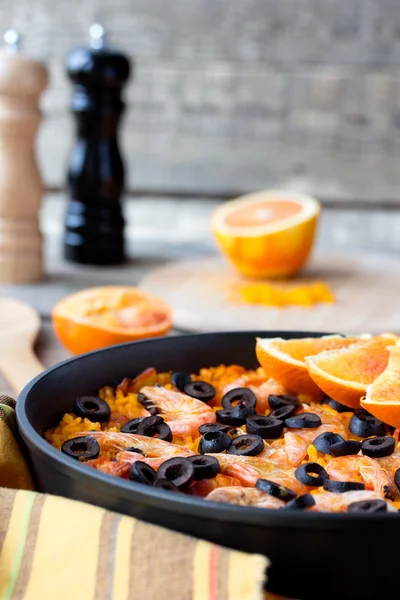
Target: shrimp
329	423
391	463
354	468
151	447
204	486
244	496
147	377
261	388
250	380
250	468
183	414
120	420
121	464
329	501
290	451
105	465
131	457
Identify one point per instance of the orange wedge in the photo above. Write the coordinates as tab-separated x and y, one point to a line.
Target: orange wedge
345	374
266	234
284	360
97	317
383	395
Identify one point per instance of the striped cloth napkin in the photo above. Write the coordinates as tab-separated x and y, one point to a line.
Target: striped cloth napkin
58	549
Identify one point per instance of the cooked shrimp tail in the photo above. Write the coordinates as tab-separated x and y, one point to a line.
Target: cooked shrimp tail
183	413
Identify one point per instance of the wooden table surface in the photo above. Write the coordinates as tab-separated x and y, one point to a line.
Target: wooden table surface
162	230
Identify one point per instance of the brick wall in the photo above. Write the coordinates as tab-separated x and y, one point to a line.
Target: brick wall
233	95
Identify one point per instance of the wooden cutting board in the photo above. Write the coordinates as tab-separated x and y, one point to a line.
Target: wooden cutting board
366	286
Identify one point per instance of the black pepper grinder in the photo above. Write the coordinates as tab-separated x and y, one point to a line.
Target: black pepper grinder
94	223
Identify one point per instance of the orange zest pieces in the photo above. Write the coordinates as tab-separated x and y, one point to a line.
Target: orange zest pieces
268	233
284	360
383	396
283	295
98	317
345	373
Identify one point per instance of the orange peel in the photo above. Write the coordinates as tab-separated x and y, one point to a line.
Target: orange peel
284	360
268	233
103	316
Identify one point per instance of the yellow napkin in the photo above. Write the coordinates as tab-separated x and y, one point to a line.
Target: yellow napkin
14	472
58	549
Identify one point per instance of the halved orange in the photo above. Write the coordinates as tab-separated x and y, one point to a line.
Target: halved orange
383	395
102	316
345	374
268	233
284	360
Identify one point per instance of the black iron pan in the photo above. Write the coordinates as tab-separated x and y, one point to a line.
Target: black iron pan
314	555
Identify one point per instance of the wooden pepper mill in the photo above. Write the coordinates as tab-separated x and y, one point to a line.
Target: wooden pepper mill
22	80
94	224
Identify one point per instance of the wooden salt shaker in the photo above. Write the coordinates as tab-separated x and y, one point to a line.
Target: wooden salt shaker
22	80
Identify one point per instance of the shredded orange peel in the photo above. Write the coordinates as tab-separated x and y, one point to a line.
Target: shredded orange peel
282	295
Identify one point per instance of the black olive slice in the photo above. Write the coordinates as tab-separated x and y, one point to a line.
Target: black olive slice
234	417
279	400
276	490
301	502
239	411
284	412
311	474
397	479
365	425
201	390
340	408
339	487
266	427
205	467
92	408
378	447
85	447
324	441
213	442
166	484
368	506
242	408
345	448
132	425
206	427
305	420
155	427
388	493
243	396
142	473
179	379
178	470
246	445
147	403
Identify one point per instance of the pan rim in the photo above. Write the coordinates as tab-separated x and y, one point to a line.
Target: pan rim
177	502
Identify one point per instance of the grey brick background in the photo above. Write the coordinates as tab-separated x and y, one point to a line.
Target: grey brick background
235	95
